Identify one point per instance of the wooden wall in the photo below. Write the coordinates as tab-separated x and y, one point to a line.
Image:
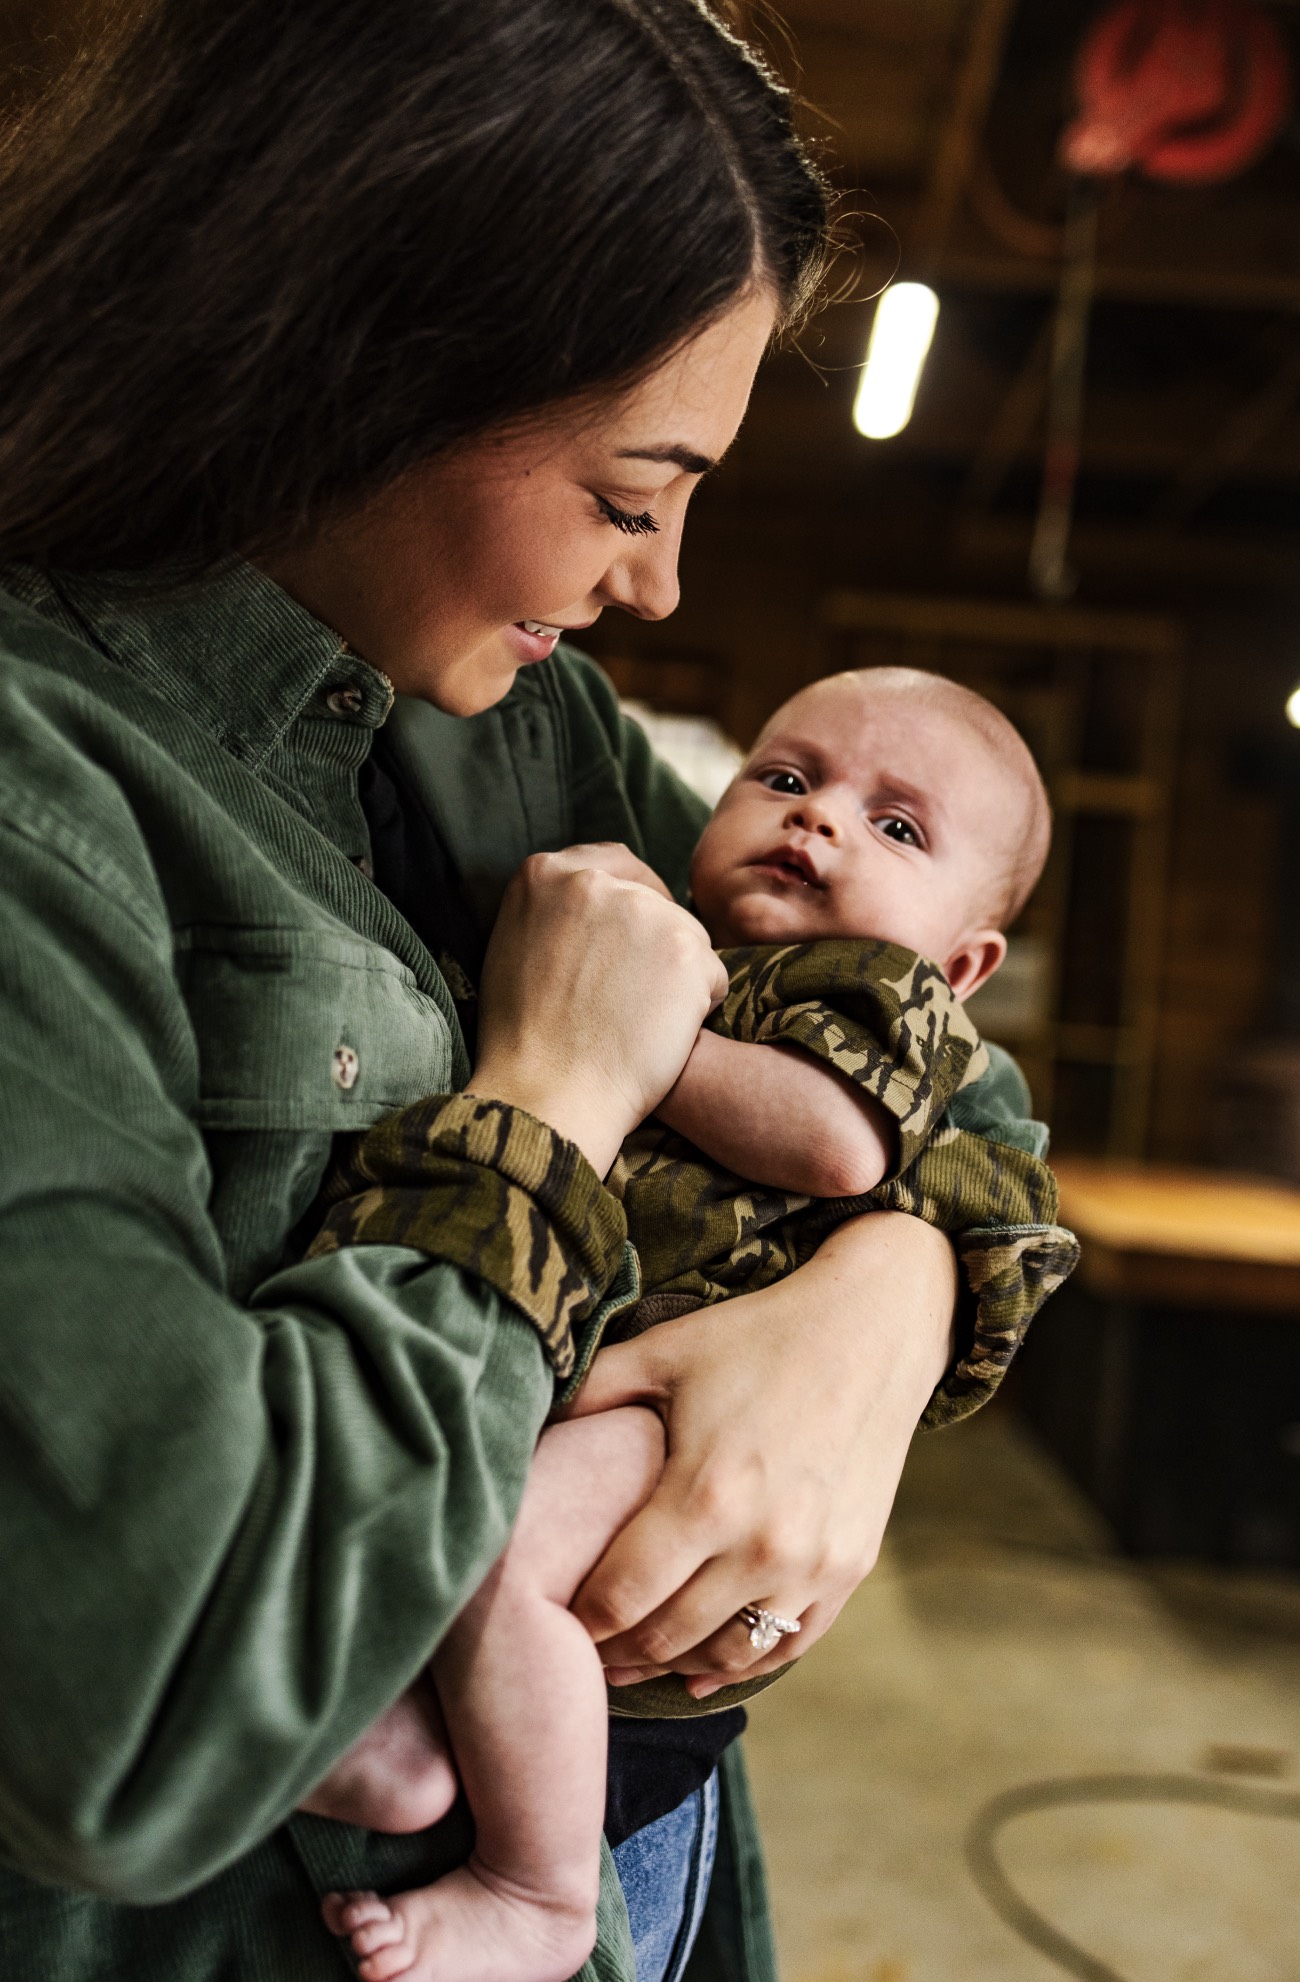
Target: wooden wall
1242	663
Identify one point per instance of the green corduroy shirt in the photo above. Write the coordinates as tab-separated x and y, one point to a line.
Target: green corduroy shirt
243	1492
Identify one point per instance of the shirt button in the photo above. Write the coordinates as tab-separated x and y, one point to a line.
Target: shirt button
346	1067
344	701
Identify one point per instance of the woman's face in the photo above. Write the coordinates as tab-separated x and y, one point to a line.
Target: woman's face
443	580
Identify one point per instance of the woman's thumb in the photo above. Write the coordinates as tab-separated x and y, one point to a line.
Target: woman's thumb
627	1373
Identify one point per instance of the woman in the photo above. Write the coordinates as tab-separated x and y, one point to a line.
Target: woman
346	350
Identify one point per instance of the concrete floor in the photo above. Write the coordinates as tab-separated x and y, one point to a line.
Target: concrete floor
1002	1642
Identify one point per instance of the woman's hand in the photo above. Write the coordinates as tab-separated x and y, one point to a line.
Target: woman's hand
788	1415
594	990
612	857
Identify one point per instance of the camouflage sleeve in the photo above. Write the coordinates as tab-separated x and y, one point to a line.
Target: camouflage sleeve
998	1204
490	1189
879	1014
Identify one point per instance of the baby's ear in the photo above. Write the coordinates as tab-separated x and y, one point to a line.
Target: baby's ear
974	961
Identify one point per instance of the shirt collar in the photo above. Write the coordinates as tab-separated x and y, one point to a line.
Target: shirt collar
235	652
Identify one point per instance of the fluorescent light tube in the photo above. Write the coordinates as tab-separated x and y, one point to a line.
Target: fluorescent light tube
900	338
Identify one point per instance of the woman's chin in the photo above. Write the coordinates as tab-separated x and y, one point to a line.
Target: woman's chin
472	698
468	687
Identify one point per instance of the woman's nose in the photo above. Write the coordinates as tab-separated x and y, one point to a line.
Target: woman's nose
809	815
642	580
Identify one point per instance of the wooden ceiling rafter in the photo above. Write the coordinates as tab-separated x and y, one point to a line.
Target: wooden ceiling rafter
1217	559
1012	428
1190	287
963	129
1232	447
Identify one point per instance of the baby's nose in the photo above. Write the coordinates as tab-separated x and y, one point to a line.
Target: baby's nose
808	817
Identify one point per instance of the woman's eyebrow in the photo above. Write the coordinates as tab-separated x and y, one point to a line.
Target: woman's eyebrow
681	457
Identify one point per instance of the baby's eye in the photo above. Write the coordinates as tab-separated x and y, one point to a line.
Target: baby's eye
788	783
899	829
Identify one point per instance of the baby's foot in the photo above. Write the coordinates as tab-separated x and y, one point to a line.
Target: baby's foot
471	1926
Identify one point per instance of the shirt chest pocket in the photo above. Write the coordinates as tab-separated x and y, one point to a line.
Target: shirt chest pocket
306	1029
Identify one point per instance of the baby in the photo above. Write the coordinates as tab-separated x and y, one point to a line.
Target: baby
882	818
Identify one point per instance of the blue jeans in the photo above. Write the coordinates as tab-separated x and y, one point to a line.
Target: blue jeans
664	1871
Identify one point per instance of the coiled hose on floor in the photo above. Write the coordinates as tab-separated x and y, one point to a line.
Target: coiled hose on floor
1062	1791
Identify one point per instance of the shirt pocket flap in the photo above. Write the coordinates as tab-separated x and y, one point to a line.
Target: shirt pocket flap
306	1029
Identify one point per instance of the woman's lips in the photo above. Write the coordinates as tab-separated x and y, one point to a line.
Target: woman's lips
529	641
534	640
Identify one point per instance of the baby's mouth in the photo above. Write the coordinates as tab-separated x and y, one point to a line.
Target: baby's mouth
791	863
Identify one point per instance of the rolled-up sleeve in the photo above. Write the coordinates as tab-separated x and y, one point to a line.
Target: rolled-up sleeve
970	1162
497	1192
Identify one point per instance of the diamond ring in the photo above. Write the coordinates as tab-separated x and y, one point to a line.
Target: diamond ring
765	1628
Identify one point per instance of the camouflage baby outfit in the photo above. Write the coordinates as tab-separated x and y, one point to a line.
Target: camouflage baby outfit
879	1014
887	1020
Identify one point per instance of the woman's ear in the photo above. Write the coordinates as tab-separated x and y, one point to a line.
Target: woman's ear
974	961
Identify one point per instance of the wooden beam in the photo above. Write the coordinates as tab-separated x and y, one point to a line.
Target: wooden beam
1236	440
1008	624
1204	559
1012	427
1193	288
963	129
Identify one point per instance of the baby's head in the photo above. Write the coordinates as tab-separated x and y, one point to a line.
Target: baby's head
887	803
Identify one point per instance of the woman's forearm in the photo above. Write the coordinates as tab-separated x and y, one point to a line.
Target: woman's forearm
909	1319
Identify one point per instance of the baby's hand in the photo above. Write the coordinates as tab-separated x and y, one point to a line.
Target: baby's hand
399	1776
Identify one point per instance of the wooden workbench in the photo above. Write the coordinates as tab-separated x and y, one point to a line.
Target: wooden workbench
1187	1238
1166	1375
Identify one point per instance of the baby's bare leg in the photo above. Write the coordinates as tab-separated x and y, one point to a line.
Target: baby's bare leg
398	1776
523	1692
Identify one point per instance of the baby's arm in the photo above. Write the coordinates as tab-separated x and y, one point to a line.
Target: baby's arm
780	1117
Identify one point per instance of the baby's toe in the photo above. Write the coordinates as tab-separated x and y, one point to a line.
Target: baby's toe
363	1910
377	1934
344	1911
385	1966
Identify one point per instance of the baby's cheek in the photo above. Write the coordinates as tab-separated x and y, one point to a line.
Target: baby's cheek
708	876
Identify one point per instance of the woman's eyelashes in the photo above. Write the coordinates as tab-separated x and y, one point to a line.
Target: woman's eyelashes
632	523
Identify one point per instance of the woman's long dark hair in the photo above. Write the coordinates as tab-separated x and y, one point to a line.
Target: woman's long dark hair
276	252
